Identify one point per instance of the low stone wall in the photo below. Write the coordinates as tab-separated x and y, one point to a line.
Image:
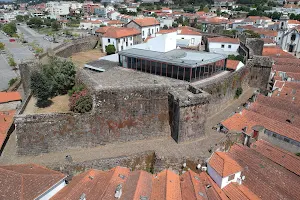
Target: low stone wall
223	90
76	46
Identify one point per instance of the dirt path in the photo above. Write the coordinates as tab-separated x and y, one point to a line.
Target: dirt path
82	58
163	147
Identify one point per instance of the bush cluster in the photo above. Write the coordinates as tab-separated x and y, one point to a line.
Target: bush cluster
81	102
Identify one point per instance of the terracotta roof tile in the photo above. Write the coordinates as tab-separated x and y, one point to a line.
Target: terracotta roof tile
6	120
10	96
166	185
265	178
138	184
94	184
278	155
276	52
119	32
224	40
235	192
27	181
232	64
148	21
223	164
185	30
102	29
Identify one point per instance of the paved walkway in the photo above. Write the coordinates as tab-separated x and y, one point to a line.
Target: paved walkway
164	147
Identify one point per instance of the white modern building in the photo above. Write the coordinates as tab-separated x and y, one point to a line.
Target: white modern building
147	26
121	37
57	9
223	45
223	169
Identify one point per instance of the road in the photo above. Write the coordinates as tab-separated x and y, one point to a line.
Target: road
31	35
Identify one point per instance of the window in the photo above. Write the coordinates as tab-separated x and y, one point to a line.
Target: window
222	46
182	38
108	40
293	37
231	177
193	41
156	29
229	46
121	47
274	135
143	33
126	44
152	31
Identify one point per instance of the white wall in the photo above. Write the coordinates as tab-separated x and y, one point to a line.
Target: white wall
221	182
162	43
105	42
218	45
150	30
197	39
286	41
51	192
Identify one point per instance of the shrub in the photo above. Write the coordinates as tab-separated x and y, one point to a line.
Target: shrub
238	92
297	154
81	102
2	46
76	88
12	62
110	49
12	81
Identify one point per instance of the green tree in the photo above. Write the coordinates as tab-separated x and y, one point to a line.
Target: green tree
55	26
165	27
61	75
35	22
174	25
110	49
2	46
10	28
20	18
206	9
218	11
41	88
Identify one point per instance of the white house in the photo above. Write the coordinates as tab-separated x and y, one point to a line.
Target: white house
113	15
223	45
148	26
131	9
90	24
185	37
166	10
223	169
166	21
31	181
121	37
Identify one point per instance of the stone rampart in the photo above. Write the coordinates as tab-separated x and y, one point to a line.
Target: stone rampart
223	89
118	116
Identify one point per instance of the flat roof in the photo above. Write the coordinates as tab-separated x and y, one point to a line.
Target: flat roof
177	57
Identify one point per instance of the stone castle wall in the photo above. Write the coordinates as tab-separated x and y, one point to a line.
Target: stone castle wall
118	116
223	90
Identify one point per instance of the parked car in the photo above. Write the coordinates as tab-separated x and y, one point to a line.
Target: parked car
12	40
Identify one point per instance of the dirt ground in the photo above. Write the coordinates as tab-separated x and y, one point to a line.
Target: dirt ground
82	58
60	105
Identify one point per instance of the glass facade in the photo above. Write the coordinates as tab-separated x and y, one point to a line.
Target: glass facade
173	71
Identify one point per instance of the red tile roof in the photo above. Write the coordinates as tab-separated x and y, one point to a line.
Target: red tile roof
281	157
27	181
95	184
6	120
148	21
223	164
264	177
102	29
232	64
224	40
239	192
119	32
185	30
10	96
276	52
